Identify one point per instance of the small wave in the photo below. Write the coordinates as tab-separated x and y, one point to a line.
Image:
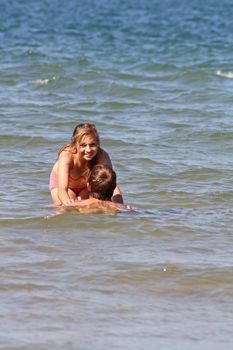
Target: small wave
225	74
42	81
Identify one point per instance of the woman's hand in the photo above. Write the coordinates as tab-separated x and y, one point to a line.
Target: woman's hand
68	203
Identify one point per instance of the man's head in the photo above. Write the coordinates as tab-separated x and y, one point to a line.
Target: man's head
102	182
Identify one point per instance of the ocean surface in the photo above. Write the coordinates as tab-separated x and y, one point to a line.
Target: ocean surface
156	77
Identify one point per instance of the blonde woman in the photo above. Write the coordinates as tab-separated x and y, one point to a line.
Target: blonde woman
70	173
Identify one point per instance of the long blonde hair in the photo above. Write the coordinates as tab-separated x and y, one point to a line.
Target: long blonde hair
81	130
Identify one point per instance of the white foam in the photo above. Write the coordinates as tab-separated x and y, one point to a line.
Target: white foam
225	74
42	81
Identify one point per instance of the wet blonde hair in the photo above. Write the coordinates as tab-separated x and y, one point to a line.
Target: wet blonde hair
81	130
102	182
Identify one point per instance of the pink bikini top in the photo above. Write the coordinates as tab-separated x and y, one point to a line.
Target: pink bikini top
75	184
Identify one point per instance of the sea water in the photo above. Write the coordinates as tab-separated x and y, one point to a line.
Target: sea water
156	77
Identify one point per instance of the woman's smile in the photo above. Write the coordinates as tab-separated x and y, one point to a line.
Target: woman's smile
88	147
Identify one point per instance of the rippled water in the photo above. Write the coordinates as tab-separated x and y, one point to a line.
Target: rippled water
156	79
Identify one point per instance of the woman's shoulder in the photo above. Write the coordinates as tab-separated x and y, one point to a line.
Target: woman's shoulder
102	157
66	155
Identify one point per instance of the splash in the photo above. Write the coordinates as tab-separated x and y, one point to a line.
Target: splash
43	81
225	74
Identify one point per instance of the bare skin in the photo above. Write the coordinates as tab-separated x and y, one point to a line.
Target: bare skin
93	205
77	165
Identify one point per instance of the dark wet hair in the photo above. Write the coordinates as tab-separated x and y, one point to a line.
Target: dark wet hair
102	182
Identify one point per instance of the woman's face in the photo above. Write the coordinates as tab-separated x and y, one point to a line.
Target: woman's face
88	147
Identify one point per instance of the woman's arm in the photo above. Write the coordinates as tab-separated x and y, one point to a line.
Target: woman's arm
117	196
64	162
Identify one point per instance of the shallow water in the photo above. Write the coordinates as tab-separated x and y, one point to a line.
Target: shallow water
156	79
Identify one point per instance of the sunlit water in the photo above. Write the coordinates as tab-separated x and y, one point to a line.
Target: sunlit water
156	79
